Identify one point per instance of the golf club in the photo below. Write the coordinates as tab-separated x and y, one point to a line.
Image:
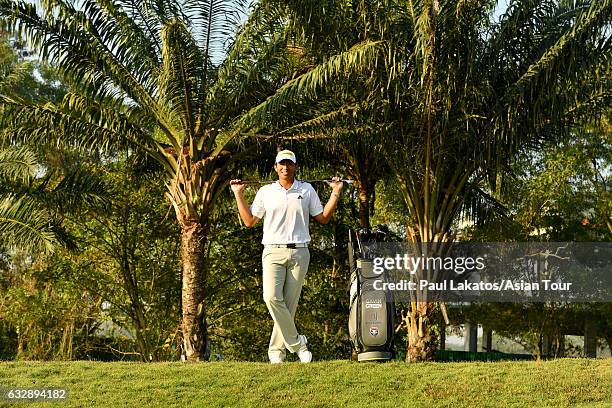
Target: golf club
259	182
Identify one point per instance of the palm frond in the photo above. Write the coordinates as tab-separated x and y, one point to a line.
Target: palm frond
77	190
480	206
349	116
306	86
216	21
17	163
580	33
78	122
24	224
258	62
130	25
15	76
552	83
182	76
82	48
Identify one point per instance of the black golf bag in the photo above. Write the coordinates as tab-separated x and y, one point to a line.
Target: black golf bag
371	311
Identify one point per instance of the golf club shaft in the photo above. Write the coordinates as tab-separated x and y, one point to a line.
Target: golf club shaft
255	182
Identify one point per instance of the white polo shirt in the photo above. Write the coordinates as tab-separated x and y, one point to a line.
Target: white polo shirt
286	213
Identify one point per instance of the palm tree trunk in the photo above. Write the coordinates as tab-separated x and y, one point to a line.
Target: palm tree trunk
364	206
423	337
422	340
195	335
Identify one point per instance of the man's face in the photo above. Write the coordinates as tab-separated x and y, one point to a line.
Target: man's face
285	169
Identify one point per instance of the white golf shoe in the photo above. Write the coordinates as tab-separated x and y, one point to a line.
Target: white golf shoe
275	360
303	353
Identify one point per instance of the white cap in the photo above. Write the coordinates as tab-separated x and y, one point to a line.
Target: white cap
285	155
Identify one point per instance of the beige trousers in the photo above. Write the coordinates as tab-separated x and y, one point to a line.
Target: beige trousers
284	270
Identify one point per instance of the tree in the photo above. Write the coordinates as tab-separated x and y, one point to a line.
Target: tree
44	313
29	214
143	76
23	221
358	156
459	93
128	256
558	194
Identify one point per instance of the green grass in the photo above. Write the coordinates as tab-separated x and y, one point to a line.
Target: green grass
557	383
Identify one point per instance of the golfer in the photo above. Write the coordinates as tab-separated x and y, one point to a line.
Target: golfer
286	206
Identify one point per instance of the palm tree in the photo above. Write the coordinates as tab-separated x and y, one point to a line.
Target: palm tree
23	222
35	197
143	77
459	93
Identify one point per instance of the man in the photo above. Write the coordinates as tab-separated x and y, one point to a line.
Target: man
285	206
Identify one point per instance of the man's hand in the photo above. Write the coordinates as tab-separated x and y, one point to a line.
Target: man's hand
336	184
246	215
237	186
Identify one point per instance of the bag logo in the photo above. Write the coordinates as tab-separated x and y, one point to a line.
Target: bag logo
373	304
374	331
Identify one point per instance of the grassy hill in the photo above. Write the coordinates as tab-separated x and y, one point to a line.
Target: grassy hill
558	383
